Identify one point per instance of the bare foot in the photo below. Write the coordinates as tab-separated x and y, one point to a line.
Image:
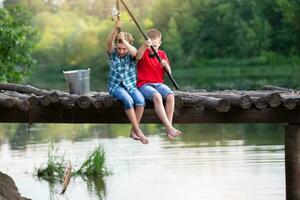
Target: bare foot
173	132
170	137
144	140
142	137
133	135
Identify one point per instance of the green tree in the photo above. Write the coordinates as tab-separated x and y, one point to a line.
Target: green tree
283	17
16	44
172	42
233	28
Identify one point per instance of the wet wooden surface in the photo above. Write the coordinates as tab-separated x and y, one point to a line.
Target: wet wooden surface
24	103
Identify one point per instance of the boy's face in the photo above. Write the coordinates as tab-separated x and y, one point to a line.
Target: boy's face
156	42
121	49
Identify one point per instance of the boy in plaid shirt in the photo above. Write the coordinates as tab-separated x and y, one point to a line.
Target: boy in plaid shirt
122	78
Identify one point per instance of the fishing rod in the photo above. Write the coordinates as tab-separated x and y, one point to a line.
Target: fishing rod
118	15
152	48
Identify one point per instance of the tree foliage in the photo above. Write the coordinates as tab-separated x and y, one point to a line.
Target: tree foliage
172	43
73	32
16	43
233	28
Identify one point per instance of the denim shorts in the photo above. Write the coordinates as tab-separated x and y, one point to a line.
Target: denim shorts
129	99
149	89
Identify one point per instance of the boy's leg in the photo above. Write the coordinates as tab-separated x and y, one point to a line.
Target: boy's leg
138	112
168	95
132	118
161	113
170	104
153	95
139	102
160	109
121	94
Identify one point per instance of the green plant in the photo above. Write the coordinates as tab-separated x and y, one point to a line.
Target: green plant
54	169
94	165
16	43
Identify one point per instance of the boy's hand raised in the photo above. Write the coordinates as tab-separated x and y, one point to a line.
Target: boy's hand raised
118	24
121	36
147	43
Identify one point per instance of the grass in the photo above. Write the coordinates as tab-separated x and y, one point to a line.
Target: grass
54	169
93	166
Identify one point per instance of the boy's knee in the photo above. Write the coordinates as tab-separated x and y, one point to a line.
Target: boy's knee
128	103
170	97
157	98
140	102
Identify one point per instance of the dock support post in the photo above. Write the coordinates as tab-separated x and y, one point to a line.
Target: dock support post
292	161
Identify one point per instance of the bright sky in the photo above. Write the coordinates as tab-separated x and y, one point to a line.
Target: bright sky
56	2
1	3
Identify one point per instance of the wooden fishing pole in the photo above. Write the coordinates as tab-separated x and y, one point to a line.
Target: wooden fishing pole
118	15
152	48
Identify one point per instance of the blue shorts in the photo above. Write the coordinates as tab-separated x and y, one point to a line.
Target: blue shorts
129	99
149	89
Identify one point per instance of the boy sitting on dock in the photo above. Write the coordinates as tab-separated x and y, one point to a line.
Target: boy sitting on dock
150	81
122	78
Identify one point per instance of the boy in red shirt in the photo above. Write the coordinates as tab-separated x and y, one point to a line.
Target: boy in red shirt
150	81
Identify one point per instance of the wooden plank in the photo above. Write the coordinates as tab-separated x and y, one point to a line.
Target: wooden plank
55	114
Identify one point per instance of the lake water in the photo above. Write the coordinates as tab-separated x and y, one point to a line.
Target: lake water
209	162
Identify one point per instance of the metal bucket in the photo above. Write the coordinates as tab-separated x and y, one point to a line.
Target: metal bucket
78	81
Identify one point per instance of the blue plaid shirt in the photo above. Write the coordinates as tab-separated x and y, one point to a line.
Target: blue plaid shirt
122	71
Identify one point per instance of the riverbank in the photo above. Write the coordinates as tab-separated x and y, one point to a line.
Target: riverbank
8	189
209	74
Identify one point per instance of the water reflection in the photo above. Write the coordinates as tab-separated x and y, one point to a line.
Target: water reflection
231	134
210	161
20	138
194	134
96	185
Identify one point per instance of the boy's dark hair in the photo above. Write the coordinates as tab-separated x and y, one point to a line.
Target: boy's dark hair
153	34
128	37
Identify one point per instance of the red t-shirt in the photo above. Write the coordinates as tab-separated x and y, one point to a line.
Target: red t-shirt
149	70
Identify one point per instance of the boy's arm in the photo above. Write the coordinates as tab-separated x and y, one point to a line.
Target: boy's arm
131	49
142	49
111	37
166	65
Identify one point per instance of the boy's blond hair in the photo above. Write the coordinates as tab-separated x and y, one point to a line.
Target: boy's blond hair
154	34
128	37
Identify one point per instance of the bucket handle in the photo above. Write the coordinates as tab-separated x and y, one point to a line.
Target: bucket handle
87	69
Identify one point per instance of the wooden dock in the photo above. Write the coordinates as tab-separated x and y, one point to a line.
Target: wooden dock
27	104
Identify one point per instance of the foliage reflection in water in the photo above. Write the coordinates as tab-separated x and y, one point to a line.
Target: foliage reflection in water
247	157
92	170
